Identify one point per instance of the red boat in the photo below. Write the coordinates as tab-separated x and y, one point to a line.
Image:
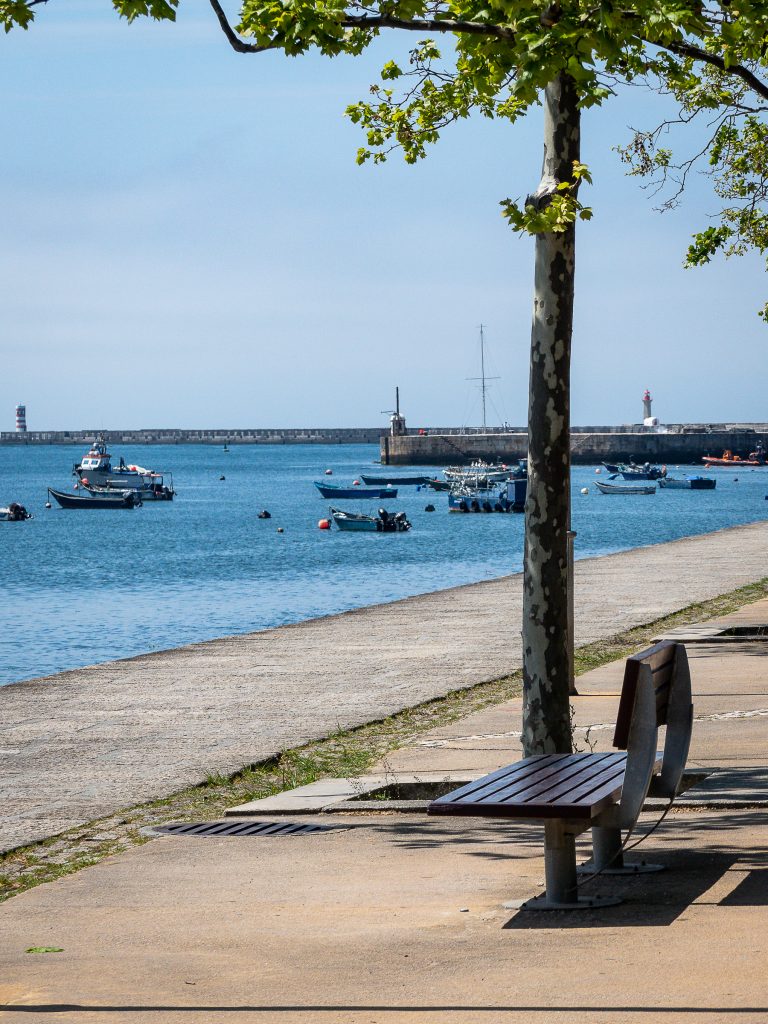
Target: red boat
756	458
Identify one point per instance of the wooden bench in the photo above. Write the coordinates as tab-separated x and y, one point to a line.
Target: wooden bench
571	793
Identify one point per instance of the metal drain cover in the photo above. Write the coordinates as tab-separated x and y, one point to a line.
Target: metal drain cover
193	829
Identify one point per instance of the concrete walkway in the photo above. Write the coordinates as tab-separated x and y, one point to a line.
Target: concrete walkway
82	744
399	918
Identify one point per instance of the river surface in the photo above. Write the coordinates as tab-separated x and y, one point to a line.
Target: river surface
81	587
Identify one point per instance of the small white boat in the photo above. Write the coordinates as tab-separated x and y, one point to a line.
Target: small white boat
624	488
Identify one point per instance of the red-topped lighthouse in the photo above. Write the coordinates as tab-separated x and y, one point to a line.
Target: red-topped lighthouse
647	414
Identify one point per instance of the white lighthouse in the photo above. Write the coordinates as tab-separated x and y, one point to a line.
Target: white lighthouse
649	420
21	419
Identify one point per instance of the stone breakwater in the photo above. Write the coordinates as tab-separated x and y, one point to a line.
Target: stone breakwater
679	444
675	443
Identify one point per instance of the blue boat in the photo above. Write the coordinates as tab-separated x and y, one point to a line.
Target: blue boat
334	491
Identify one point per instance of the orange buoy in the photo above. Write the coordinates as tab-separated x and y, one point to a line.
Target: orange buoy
324	524
355	483
329	472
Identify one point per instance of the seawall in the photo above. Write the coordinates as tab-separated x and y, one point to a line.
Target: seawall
678	443
218	436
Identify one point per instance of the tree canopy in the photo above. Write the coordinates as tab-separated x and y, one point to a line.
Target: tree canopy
711	57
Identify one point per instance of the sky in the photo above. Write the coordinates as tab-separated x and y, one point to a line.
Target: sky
187	241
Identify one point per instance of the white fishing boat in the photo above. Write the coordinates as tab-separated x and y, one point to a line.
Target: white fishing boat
624	488
95	470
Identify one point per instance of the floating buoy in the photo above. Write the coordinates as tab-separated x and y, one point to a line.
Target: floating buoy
76	486
48	504
280	529
329	472
429	508
735	479
355	483
585	490
324	524
264	514
598	470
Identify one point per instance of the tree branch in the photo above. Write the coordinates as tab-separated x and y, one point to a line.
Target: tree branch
371	21
234	39
696	53
476	28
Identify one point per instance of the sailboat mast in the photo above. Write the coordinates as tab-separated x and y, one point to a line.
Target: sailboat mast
482	374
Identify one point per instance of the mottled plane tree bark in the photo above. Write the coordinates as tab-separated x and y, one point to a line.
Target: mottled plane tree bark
506	57
546	662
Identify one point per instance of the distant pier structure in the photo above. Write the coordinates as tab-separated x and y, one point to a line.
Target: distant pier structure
21	419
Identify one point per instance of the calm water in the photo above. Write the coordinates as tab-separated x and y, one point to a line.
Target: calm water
84	587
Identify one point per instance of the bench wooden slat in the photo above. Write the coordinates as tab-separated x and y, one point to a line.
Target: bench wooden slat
590	782
518	771
574	786
556	781
660	660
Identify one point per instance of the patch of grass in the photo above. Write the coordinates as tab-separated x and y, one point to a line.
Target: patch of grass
345	754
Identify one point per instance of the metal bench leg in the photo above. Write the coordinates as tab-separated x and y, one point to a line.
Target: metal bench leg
608	857
560	874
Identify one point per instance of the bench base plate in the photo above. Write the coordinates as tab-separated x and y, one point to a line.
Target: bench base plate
542	902
640	867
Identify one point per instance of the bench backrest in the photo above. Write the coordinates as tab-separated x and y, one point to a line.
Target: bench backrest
656	691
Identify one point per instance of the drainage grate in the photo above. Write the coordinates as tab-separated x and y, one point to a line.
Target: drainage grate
241	828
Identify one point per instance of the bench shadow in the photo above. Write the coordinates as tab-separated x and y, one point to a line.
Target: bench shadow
649	900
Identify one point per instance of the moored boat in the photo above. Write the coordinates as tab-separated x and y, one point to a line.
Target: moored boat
624	488
506	497
384	522
693	483
95	469
127	498
336	491
14	513
755	458
395	481
644	472
482	475
152	490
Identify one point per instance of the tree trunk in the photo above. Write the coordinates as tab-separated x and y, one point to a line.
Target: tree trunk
546	665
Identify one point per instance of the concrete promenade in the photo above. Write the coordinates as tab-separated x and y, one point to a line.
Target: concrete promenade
85	743
400	919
